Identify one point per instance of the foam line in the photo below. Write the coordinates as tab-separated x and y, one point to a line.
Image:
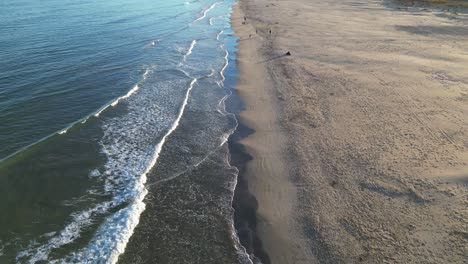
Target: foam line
206	11
70	233
223	78
221	108
130	214
211	73
234	236
216	17
83	120
132	91
135	218
219	34
128	94
114	103
192	45
80	220
225	64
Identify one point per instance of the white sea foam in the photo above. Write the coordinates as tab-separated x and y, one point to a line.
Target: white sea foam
126	174
222	104
211	73
226	63
94	173
206	11
189	51
2	247
128	94
245	258
70	233
219	34
134	211
129	161
210	21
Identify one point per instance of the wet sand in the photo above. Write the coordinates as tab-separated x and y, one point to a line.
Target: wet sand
360	148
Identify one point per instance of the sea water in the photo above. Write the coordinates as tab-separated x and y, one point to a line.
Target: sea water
113	132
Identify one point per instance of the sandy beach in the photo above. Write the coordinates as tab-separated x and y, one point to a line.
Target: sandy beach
360	150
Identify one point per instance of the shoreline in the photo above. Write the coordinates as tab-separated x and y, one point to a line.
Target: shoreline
359	153
266	173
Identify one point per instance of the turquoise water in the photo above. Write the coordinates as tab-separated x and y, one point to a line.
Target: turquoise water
113	123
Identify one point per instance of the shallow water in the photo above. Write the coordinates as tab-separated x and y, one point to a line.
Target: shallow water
110	108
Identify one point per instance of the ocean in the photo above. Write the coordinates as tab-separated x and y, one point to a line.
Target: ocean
114	130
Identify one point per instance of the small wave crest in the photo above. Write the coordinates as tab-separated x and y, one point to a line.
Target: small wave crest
114	103
125	96
189	51
218	36
205	12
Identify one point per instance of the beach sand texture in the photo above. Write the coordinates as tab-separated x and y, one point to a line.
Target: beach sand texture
361	144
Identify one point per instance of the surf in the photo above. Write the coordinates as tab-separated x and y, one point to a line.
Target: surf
206	11
132	131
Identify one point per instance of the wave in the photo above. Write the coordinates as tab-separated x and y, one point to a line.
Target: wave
117	229
70	233
82	120
126	175
206	11
114	103
138	206
226	63
128	94
189	51
219	34
126	171
241	251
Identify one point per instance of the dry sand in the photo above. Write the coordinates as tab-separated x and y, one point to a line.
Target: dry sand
361	144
